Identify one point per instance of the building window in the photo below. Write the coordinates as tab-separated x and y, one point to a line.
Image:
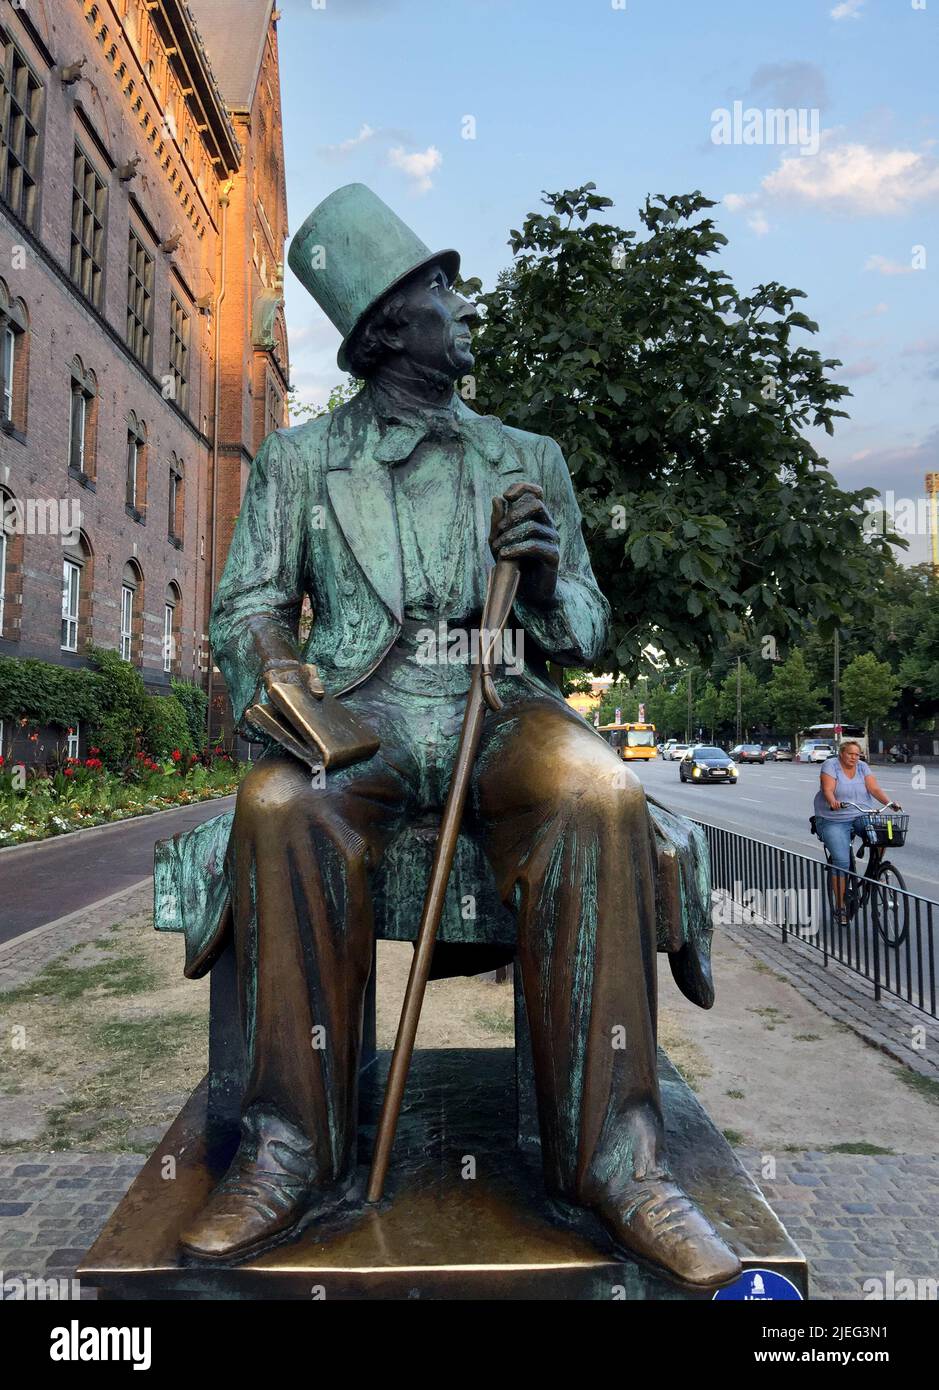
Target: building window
72	740
131	613
20	117
14	361
139	299
89	208
174	519
82	422
273	407
127	621
9	364
136	488
179	353
172	609
71	598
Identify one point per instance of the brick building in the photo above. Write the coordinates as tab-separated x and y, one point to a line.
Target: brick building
143	349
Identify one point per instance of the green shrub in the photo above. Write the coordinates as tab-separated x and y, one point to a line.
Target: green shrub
195	702
47	694
165	727
123	703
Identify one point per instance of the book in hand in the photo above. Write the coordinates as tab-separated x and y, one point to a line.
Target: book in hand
319	731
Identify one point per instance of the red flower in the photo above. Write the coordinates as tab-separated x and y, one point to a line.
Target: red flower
69	771
2	760
176	755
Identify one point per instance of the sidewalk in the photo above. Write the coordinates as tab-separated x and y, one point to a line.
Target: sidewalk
781	1076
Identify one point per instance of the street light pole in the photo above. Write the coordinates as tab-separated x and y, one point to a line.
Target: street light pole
739	705
689	736
836	688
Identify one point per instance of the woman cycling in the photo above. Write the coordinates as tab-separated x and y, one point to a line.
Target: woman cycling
845	778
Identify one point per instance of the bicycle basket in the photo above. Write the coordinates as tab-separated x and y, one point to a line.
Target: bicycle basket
881	829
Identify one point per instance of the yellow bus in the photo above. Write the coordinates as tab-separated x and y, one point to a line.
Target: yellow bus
631	740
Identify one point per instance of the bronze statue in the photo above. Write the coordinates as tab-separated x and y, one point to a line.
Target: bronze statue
381	513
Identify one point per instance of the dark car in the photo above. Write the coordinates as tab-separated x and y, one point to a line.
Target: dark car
779	753
705	763
749	753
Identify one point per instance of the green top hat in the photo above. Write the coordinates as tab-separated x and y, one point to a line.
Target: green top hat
352	250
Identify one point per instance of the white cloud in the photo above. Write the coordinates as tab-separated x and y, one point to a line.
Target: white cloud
347	146
736	202
757	222
849	177
885	267
418	166
848	9
877	310
865	366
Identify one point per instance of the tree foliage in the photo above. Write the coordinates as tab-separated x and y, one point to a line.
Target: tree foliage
681	405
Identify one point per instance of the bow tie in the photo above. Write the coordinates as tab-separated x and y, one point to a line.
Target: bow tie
402	435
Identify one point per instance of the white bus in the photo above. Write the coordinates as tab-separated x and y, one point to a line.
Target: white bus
854	732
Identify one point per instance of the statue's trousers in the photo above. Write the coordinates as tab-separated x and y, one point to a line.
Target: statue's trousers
565	827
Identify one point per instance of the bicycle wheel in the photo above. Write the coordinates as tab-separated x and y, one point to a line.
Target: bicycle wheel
890	911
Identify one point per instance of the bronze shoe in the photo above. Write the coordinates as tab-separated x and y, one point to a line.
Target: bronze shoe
249	1210
657	1223
268	1190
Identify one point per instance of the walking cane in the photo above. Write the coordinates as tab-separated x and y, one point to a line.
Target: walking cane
500	595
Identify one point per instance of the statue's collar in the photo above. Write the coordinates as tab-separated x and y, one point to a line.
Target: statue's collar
403	426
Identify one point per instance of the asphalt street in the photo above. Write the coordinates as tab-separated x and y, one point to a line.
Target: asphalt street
773	802
42	882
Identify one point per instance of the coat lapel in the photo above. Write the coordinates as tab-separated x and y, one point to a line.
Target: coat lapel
361	491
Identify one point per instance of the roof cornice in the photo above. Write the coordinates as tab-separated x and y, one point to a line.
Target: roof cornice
177	29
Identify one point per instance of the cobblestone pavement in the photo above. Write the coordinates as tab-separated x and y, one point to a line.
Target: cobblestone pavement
888	1023
855	1217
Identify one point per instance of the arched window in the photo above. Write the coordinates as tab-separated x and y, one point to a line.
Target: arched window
14	362
136	492
172	622
12	528
132	613
83	422
175	520
77	572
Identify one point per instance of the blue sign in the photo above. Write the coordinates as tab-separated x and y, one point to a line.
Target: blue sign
760	1286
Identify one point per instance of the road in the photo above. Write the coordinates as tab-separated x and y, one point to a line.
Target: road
773	802
41	882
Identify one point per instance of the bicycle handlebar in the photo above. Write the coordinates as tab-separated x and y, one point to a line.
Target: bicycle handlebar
867	810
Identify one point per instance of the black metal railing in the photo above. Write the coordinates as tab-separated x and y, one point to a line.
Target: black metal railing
891	938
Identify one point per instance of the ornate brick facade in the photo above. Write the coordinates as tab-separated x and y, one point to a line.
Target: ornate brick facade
142	223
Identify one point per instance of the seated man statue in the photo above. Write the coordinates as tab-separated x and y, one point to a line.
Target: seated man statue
381	513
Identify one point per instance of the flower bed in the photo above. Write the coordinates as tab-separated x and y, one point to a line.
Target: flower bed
38	803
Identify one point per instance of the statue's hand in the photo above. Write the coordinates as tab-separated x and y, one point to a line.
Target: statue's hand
294	673
522	530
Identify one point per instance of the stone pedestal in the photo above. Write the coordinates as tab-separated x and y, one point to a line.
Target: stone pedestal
465	1215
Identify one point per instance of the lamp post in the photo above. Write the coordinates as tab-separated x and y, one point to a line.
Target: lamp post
739	704
836	688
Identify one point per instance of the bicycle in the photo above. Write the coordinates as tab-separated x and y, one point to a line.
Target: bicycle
890	911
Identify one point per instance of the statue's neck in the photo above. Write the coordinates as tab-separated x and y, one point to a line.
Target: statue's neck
409	387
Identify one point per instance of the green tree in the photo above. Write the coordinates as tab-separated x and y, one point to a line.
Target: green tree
793	701
752	700
707	709
681	405
868	689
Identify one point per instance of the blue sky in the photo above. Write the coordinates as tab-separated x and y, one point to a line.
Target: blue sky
623	92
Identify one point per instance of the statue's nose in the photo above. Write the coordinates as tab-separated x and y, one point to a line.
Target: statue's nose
465	312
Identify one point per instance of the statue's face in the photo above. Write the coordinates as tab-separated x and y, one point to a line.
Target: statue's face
435	328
